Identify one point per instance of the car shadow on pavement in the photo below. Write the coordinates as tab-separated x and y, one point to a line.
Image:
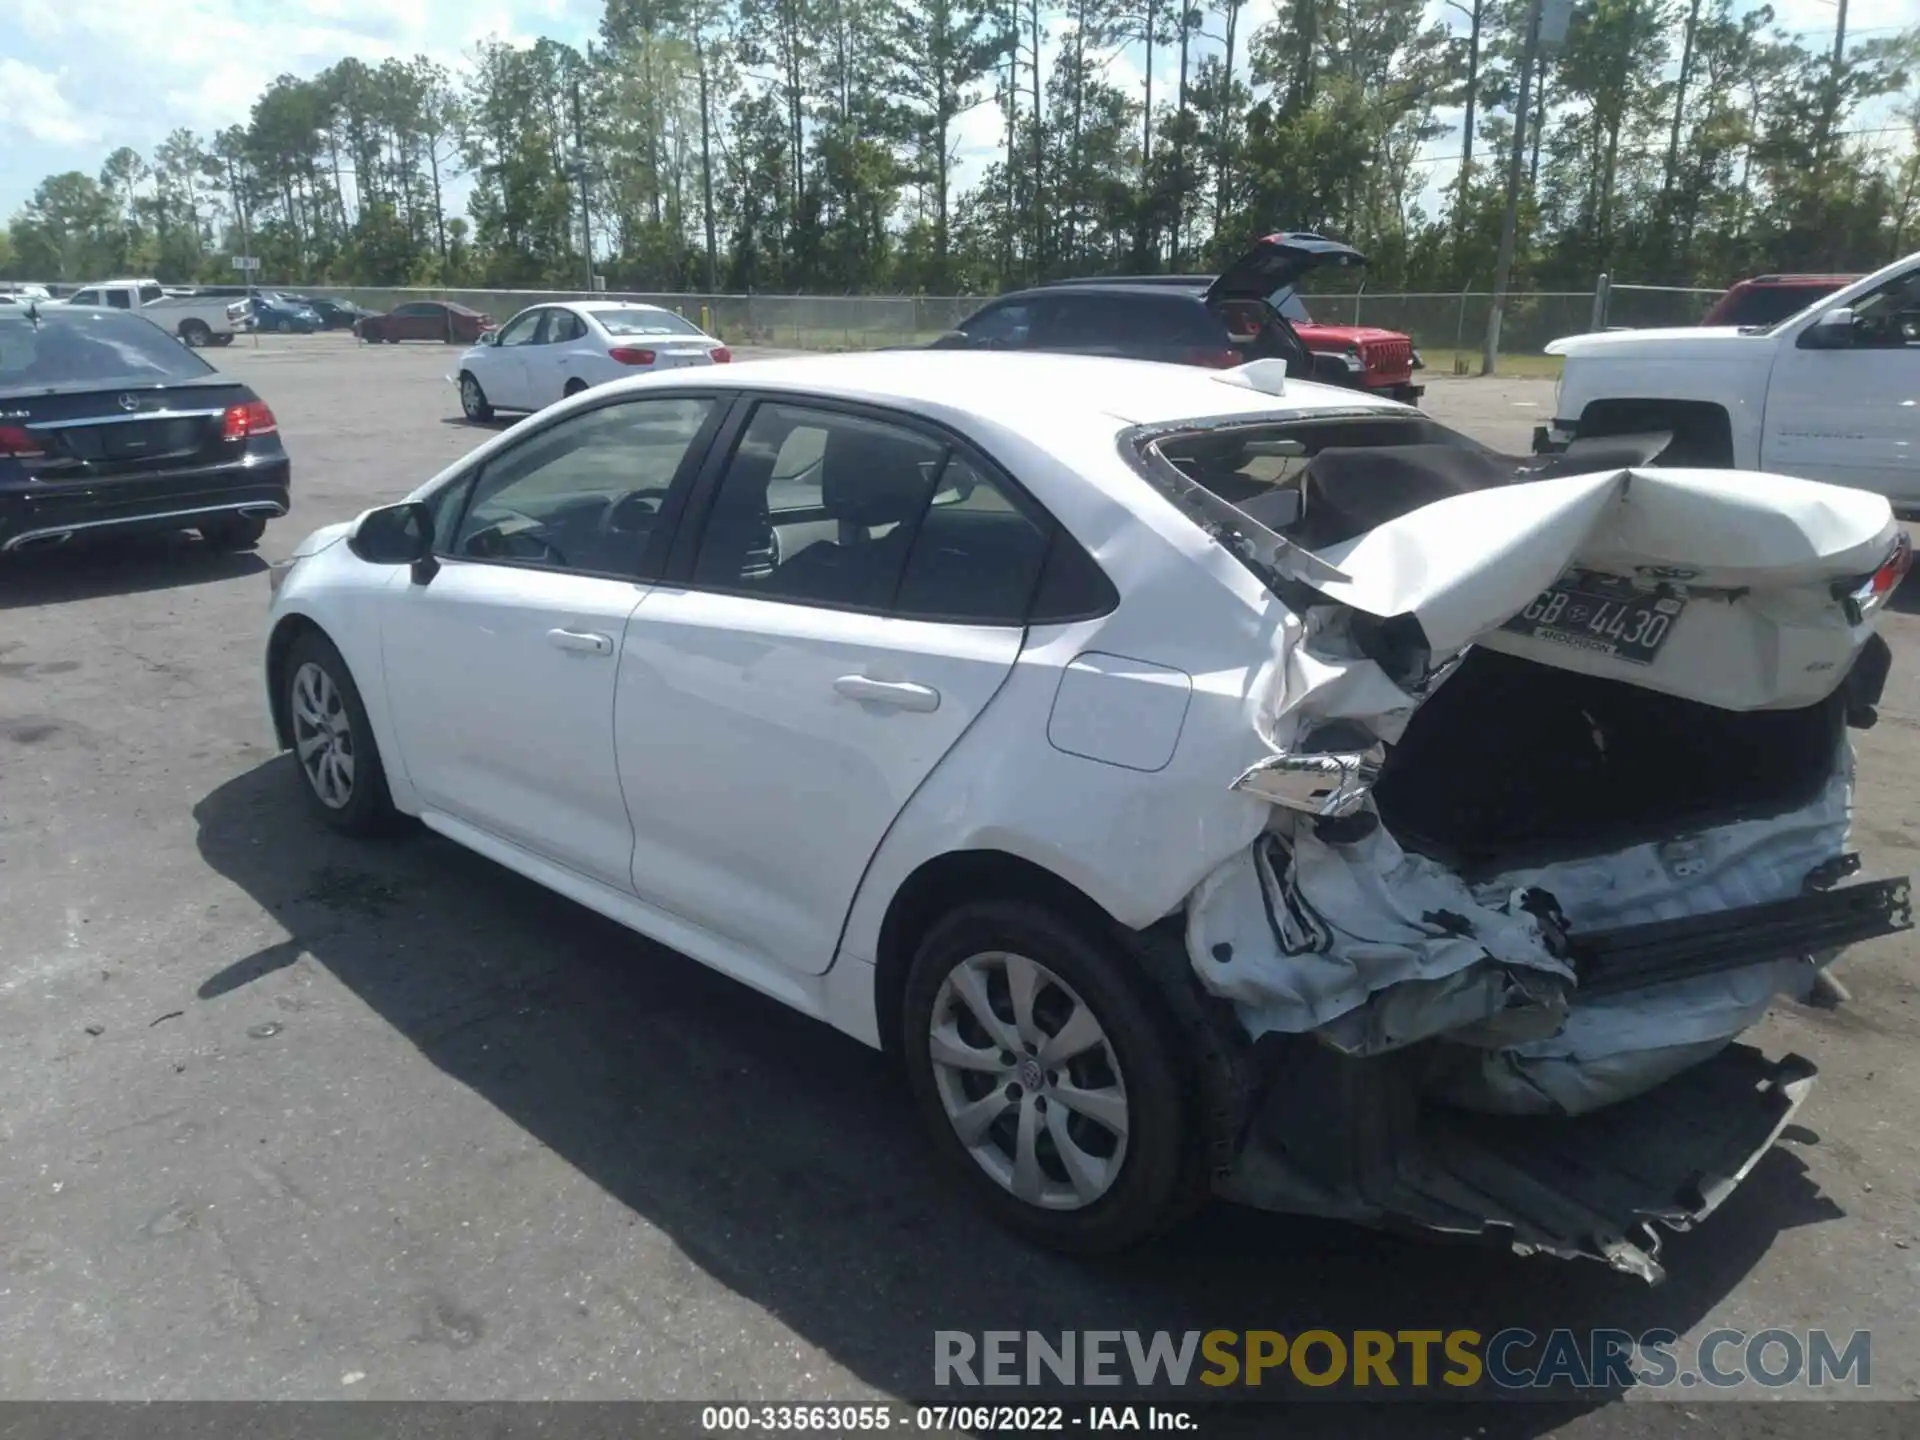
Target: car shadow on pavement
90	570
498	423
783	1159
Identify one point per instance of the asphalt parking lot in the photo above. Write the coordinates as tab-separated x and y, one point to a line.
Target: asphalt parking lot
289	1116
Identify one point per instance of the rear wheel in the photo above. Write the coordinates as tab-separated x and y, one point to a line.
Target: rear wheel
242	532
195	332
1047	1081
341	774
283	326
473	400
574	387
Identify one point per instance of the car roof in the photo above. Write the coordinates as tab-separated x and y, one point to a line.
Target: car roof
1136	285
1025	390
1797	280
613	305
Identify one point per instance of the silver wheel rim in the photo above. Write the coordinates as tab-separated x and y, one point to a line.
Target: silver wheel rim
470	395
323	735
1029	1080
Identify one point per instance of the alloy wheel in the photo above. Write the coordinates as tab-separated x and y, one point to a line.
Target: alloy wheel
323	735
470	397
1029	1080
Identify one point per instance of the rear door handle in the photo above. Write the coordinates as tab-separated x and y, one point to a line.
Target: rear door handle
901	694
587	642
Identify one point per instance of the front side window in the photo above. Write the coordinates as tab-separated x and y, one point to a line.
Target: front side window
583	495
520	329
1889	319
85	297
1008	324
408	312
818	507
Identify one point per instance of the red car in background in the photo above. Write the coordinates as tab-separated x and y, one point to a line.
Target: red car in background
440	320
1769	299
1381	362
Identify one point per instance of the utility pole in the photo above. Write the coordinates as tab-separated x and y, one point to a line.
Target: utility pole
1509	226
1831	118
580	179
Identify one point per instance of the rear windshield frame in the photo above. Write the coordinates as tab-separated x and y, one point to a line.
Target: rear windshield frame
1286	568
165	361
666	318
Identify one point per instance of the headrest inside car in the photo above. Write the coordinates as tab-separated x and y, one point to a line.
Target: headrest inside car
874	476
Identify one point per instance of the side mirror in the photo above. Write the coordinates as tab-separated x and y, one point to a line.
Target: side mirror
1832	331
397	535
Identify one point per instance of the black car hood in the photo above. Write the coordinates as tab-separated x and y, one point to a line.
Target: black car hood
1277	261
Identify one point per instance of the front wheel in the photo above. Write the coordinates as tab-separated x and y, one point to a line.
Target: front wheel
342	777
473	400
1047	1080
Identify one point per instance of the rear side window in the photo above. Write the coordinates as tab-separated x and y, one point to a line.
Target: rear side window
978	555
98	347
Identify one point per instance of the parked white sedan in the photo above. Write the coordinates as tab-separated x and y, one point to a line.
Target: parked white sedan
548	352
1075	729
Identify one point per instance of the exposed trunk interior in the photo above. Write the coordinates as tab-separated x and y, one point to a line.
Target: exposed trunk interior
1511	755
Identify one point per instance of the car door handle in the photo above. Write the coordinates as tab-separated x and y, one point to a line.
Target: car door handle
901	694
585	641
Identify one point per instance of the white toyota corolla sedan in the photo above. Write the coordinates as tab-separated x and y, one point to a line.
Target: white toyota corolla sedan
1202	781
548	352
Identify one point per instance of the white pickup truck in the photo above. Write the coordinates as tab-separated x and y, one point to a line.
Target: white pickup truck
1831	393
196	319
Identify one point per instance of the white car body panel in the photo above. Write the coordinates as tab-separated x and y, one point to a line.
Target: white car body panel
1849	417
784	866
767	694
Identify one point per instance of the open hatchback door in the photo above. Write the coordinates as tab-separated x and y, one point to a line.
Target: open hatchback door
1561	786
1278	261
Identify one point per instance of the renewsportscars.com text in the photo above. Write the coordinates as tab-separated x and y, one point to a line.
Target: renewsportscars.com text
1377	1360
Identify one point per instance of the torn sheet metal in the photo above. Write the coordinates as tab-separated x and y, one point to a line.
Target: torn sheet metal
1297	932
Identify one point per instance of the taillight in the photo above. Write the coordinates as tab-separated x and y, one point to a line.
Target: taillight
16	441
627	355
1874	592
1215	359
720	355
252	418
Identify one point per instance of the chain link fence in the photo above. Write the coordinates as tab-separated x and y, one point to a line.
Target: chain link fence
1449	328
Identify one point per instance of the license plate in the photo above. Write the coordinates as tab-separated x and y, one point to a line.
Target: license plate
1602	613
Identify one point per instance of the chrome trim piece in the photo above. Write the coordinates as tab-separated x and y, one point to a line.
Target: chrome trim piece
269	508
126	419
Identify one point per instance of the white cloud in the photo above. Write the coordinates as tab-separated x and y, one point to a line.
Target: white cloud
86	80
33	108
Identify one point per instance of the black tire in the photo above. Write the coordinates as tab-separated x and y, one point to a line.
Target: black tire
573	387
243	532
195	333
223	340
283	326
1161	1172
473	400
368	807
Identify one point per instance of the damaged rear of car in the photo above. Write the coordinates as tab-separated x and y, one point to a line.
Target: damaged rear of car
1559	782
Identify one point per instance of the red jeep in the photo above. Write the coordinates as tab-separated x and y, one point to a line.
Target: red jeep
1381	362
1769	299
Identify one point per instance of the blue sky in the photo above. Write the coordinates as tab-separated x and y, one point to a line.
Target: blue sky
80	77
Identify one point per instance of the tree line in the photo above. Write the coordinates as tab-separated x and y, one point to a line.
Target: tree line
815	146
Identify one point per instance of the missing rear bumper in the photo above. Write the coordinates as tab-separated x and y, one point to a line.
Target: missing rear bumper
1603	1186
